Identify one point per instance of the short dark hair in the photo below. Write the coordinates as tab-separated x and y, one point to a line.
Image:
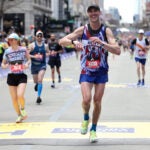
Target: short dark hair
96	7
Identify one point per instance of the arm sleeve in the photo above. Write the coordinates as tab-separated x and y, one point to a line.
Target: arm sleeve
146	41
132	44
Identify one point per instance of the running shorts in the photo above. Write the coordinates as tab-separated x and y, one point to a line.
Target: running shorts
142	61
16	79
96	79
56	62
37	69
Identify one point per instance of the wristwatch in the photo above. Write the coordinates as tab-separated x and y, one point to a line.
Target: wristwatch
72	41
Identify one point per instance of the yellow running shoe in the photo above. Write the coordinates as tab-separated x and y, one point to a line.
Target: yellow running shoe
93	136
23	114
84	127
19	119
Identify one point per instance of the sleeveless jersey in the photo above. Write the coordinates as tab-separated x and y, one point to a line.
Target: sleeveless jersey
93	56
38	50
139	51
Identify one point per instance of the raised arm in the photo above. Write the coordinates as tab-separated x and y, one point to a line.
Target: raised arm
72	38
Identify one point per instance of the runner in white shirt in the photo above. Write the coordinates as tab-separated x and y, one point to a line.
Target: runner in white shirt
140	46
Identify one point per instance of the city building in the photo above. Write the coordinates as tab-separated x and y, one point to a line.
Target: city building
23	15
27	16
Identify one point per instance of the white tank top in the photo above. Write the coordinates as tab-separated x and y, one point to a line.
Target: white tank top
138	52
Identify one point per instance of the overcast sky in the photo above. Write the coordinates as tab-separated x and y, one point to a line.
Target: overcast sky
127	9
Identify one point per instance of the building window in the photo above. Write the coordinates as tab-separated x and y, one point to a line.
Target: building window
46	3
49	3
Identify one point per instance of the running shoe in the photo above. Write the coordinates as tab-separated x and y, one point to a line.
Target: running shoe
59	79
19	119
143	82
36	87
139	82
93	136
39	100
23	114
53	85
84	127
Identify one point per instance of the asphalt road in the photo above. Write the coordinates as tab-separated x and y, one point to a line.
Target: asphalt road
123	125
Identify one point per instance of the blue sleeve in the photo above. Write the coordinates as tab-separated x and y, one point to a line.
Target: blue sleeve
132	44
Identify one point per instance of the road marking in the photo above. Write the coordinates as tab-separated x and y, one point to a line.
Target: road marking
109	85
126	85
71	130
49	79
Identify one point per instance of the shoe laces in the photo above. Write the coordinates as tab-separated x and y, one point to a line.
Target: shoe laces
93	134
85	124
23	112
19	118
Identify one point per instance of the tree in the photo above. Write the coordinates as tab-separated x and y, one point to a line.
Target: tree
5	5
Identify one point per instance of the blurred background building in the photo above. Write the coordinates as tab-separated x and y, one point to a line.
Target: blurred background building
27	16
23	15
47	15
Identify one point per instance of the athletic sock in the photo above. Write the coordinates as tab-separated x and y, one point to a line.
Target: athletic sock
86	116
93	127
40	86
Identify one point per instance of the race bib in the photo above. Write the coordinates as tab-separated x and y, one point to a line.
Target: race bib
16	68
141	53
92	64
40	56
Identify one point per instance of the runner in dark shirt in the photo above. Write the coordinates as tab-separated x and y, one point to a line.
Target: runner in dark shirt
54	58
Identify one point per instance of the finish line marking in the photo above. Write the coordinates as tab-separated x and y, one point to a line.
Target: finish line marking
70	130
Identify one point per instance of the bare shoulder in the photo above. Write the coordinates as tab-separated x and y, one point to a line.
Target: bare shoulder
109	32
76	33
110	36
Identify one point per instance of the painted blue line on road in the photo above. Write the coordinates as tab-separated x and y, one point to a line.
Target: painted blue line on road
19	132
16	132
103	129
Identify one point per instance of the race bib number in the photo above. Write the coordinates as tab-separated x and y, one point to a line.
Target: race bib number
141	53
92	64
39	56
16	68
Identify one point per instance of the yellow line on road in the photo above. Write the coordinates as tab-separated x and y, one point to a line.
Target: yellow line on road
71	130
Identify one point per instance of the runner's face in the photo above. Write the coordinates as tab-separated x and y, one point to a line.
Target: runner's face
52	37
94	15
141	36
12	42
39	37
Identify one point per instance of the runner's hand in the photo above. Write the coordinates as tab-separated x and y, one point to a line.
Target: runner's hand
95	40
78	45
26	65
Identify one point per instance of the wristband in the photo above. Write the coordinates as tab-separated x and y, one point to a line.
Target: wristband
72	41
